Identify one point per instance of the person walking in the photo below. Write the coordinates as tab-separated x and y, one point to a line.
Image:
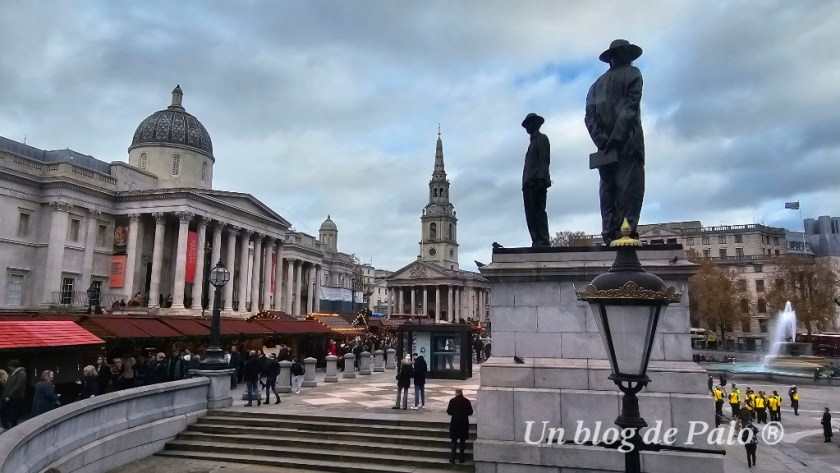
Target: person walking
406	372
234	362
14	392
478	347
45	398
749	437
826	425
4	377
711	383
460	408
420	370
297	375
718	395
272	369
175	367
89	382
252	373
103	374
793	393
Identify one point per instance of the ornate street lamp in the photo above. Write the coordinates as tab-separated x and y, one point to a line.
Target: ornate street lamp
93	300
627	303
215	359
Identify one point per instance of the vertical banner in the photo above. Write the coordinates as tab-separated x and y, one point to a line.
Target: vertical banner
117	271
273	269
120	236
192	254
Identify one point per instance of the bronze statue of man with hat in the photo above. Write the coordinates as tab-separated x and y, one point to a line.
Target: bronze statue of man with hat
613	118
536	180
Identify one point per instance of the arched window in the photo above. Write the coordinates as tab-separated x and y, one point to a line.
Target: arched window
176	164
204	171
762	306
451	236
144	161
435	192
745	306
433	231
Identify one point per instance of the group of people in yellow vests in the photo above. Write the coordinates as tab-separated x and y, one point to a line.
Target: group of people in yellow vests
752	406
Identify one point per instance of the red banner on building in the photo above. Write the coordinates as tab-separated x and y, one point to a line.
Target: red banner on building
192	255
117	278
273	269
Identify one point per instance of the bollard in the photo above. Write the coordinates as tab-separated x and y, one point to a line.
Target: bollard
378	361
364	363
391	363
309	375
332	369
284	379
349	366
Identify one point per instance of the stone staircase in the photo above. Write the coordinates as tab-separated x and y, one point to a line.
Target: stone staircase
311	443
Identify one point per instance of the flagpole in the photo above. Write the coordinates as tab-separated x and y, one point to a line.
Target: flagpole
803	229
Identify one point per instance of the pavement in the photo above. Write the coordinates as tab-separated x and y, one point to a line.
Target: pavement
801	449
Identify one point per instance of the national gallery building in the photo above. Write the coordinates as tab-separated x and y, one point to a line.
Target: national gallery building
148	230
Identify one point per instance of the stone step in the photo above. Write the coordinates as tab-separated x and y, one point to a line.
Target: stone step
385	462
409	437
309	465
291	443
431	429
376	420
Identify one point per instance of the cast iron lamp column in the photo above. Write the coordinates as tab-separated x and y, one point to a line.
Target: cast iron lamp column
215	359
627	302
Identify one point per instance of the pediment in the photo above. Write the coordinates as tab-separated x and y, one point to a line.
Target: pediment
658	232
419	270
247	203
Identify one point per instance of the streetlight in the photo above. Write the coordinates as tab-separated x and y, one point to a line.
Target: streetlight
214	359
627	302
93	299
205	290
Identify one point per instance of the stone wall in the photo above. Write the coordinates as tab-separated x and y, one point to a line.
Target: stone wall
104	432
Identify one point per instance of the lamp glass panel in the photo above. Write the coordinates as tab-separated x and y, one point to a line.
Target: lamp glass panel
630	328
219	276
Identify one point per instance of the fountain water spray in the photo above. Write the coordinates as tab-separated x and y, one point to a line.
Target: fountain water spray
784	330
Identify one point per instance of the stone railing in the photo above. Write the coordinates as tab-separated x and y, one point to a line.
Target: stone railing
105	432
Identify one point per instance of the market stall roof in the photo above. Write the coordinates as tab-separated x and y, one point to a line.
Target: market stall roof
39	316
128	327
44	333
335	322
238	327
187	326
280	326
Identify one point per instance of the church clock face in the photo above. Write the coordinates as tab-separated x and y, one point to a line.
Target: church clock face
432	251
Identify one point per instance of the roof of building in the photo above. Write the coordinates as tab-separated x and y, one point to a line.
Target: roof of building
54	156
37	333
329	225
173	126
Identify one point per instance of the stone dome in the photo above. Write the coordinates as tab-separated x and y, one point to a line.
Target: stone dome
174	126
328	225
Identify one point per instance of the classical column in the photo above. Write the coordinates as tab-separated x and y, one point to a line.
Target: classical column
216	250
230	260
181	259
268	270
483	308
450	301
290	280
256	273
413	301
425	300
55	251
310	281
318	288
298	271
400	297
90	245
456	314
278	276
131	254
389	292
243	269
157	258
437	304
198	279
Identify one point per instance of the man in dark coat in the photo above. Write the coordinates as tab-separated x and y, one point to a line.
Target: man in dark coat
175	367
536	180
252	372
826	425
460	408
235	360
420	370
272	370
404	375
45	398
158	374
103	374
13	395
613	119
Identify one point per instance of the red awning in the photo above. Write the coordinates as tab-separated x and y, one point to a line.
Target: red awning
189	327
280	326
243	327
35	334
132	327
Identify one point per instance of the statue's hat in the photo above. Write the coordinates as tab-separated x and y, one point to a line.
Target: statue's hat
533	117
633	51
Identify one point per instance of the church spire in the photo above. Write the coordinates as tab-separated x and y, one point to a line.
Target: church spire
439	174
439	241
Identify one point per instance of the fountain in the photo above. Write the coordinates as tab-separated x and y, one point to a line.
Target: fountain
785	352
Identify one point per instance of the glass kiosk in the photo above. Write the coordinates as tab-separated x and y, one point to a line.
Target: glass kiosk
447	348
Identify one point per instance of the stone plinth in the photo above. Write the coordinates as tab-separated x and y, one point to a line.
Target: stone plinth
349	366
284	379
364	363
309	374
378	361
218	394
391	359
536	315
332	369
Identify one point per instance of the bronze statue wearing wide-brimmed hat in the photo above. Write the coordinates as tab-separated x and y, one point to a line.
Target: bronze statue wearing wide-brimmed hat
613	119
536	181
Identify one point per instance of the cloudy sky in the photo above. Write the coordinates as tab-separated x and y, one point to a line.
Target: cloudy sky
332	107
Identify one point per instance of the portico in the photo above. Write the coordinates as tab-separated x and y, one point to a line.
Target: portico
444	295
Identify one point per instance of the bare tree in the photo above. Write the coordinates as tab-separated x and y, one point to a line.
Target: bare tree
810	285
569	238
714	297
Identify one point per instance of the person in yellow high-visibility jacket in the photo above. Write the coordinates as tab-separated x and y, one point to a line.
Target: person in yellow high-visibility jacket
761	407
776	413
735	403
750	396
794	400
717	393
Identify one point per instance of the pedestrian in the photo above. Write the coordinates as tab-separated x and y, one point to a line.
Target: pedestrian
175	367
252	374
735	402
272	370
749	437
722	379
478	347
826	425
460	408
718	395
126	379
793	393
234	361
711	383
420	370
14	392
761	407
775	413
297	375
158	369
89	382
45	398
4	377
103	374
404	375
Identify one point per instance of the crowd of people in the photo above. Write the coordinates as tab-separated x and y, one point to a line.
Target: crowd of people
260	371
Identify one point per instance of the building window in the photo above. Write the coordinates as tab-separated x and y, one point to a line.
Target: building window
67	291
672	241
204	171
707	253
722	252
73	231
762	306
23	225
762	325
101	235
657	242
451	236
689	241
433	231
758	268
745	326
705	240
739	252
144	162
722	239
739	238
176	164
759	285
776	241
434	192
14	289
745	306
778	253
741	284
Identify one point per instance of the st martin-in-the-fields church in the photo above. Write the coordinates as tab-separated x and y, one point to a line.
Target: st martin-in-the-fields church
433	284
